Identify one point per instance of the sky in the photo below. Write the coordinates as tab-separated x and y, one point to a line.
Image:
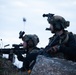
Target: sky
12	13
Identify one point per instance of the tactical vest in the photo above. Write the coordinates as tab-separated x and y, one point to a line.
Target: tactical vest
62	39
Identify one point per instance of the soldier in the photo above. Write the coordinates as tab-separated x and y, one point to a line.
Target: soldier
29	43
65	46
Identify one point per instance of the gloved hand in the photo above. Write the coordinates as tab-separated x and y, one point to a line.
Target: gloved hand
53	49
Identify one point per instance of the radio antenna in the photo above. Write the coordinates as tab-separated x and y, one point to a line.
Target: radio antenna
24	20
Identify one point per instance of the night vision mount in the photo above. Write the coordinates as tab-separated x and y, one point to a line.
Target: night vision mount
49	18
21	33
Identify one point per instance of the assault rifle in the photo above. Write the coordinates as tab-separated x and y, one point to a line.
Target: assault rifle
13	50
15	47
53	42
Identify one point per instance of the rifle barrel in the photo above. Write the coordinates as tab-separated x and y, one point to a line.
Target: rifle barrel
7	50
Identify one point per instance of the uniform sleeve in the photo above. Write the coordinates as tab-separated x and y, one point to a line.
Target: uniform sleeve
19	56
70	47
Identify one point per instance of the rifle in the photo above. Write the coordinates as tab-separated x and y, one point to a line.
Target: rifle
13	50
44	51
16	48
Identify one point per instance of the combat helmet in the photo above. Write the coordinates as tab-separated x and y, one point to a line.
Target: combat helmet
33	37
59	22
